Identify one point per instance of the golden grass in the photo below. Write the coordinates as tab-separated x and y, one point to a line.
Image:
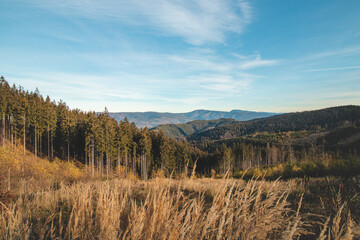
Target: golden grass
163	209
160	208
157	209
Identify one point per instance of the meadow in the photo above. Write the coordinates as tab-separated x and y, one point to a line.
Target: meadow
60	200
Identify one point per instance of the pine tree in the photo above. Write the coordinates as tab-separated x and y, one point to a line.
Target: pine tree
4	95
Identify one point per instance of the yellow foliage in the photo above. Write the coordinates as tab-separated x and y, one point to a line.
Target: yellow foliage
132	176
120	171
296	168
27	166
278	169
213	173
257	172
8	159
159	174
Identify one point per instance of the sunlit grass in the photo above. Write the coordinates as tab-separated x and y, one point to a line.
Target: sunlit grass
57	200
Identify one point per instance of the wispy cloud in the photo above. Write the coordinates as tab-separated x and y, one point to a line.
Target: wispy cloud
190	72
134	89
78	86
333	69
197	22
224	84
187	62
348	51
257	62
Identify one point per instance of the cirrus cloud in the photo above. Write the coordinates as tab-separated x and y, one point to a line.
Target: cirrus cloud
197	21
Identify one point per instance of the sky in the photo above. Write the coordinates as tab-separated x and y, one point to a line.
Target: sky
182	55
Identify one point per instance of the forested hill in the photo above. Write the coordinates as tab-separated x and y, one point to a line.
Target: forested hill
324	119
96	140
181	131
153	119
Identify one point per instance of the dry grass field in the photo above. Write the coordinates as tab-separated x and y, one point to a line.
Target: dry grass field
43	203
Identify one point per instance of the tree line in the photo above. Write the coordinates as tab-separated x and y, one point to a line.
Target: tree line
107	147
53	130
301	148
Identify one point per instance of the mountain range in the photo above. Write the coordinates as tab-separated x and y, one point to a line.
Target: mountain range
153	119
318	120
322	120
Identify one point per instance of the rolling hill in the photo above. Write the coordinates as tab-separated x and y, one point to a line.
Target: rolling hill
153	119
183	130
322	120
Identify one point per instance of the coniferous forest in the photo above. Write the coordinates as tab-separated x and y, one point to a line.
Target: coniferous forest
301	141
50	128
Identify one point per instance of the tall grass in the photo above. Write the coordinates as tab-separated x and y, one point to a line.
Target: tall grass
161	208
164	209
158	209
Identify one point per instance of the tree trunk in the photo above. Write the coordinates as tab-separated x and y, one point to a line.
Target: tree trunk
101	164
35	143
146	168
9	179
40	143
11	136
107	166
3	128
133	164
118	162
98	163
48	141
110	166
24	135
52	145
143	164
68	147
126	164
87	163
142	167
92	158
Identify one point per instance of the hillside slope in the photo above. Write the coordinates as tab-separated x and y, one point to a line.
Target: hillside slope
323	119
37	171
153	119
181	131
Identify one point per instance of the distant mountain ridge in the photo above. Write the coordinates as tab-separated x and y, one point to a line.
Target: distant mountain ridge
322	120
153	119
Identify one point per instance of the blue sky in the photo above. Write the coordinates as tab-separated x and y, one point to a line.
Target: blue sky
179	55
